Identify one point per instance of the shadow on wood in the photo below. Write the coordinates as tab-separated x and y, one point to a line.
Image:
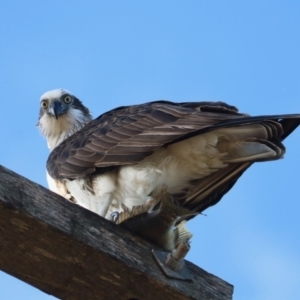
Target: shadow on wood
72	253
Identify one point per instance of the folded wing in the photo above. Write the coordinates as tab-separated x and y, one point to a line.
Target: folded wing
128	135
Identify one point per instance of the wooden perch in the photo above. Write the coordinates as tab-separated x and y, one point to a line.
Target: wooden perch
71	253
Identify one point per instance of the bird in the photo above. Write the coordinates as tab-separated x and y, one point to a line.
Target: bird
119	160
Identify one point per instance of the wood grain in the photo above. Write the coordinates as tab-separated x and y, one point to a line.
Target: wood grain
71	253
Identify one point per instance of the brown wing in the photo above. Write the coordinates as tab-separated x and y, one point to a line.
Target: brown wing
127	135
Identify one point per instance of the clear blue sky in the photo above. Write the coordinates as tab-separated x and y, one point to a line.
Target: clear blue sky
112	53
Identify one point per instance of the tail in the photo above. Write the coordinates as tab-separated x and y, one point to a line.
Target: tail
251	143
244	141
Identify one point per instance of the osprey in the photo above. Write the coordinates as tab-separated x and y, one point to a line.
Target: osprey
116	162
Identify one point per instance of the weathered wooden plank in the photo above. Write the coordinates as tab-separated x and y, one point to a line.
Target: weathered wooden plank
72	253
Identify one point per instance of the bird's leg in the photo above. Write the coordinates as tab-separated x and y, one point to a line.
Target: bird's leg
104	187
104	204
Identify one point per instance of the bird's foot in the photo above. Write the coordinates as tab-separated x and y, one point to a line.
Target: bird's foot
126	214
114	217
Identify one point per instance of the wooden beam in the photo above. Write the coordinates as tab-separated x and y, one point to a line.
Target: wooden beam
72	253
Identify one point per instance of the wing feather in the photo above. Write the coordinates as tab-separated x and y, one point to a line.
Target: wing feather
127	135
208	191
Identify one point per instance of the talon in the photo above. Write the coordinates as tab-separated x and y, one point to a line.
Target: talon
114	216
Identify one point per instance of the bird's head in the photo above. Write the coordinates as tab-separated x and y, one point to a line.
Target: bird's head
61	115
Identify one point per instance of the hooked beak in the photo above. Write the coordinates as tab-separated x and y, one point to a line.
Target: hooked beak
56	109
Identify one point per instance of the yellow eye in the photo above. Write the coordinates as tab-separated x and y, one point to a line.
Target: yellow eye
44	104
67	99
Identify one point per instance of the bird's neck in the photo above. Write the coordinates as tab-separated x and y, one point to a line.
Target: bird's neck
56	131
54	140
